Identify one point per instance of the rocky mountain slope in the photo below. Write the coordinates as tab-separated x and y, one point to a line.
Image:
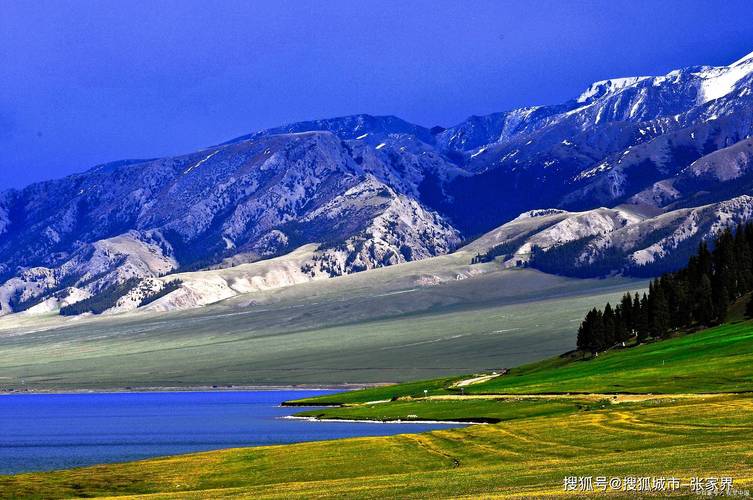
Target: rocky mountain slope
629	239
671	153
247	200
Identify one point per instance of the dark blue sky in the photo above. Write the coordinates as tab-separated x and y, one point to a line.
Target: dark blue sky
86	82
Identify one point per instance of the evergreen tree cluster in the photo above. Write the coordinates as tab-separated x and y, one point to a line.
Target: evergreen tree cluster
506	249
697	295
102	301
169	287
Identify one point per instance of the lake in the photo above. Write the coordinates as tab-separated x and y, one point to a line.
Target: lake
55	431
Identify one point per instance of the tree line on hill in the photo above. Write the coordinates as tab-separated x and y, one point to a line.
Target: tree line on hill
564	258
168	288
102	301
697	295
108	297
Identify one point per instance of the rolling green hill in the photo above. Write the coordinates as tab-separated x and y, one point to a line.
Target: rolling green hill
714	360
717	360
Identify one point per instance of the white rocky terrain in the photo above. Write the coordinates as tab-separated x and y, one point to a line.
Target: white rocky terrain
627	239
250	200
670	154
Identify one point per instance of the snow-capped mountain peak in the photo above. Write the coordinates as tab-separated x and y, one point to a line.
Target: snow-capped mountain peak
370	191
712	82
604	87
747	59
719	81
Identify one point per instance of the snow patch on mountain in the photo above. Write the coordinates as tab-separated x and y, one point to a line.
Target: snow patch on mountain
603	87
377	191
585	174
4	219
198	164
720	81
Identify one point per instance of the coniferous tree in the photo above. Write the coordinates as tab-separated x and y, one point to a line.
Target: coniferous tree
608	319
650	298
597	341
679	303
660	317
696	296
636	313
704	259
626	308
704	307
642	323
583	334
744	261
591	332
723	278
720	308
620	328
749	308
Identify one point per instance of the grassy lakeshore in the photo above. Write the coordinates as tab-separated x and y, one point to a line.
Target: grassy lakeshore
716	360
525	456
657	427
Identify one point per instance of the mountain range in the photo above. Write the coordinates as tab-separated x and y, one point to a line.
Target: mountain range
626	178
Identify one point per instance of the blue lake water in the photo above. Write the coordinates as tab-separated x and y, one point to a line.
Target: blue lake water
55	431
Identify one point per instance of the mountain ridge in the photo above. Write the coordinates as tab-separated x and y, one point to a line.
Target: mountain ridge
373	191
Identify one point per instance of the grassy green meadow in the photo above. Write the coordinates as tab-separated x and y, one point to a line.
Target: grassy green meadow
683	412
717	360
527	457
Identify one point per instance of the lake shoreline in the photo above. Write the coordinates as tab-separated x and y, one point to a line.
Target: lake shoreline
198	388
54	432
375	421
